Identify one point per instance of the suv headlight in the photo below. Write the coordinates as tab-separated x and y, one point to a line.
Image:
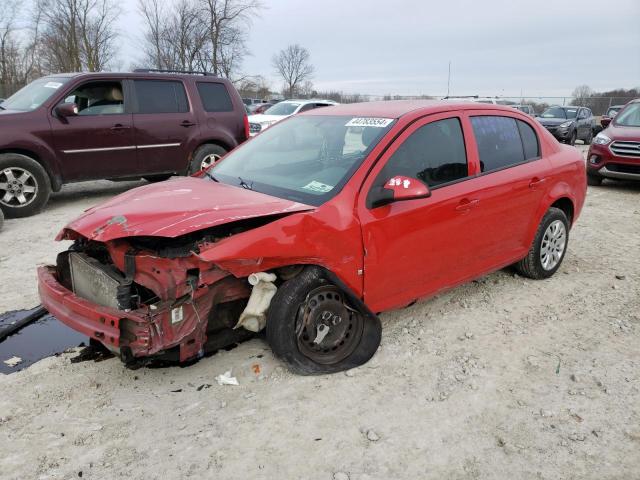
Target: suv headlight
566	124
601	139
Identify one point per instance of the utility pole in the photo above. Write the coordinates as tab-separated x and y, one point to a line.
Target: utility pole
449	78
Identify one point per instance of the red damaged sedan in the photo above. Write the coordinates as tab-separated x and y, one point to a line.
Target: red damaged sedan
315	226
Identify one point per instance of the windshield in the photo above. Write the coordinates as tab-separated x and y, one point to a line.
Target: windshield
629	116
282	108
306	159
33	95
559	112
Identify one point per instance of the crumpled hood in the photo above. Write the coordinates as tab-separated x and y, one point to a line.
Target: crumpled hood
174	208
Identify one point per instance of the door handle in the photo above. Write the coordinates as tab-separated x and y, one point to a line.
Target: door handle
536	182
119	126
465	205
187	123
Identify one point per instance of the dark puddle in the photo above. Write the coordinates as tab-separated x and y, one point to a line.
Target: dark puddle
42	338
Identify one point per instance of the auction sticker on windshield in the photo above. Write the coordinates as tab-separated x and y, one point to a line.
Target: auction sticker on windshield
320	187
55	85
369	122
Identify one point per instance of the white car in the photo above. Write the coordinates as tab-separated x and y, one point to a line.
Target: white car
282	110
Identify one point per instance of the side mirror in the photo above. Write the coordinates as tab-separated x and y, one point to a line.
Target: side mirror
397	189
605	122
67	110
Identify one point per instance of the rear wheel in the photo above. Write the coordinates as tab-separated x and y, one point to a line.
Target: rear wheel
206	156
24	185
572	138
549	246
314	329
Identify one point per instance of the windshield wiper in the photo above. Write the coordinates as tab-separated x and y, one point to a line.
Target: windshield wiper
244	184
2	107
210	175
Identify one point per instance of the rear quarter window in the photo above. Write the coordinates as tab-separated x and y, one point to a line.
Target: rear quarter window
530	142
160	96
215	97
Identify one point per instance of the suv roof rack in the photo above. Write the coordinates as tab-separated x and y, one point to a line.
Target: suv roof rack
181	72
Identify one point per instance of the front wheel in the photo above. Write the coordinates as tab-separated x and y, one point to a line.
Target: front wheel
314	329
206	156
549	246
24	185
573	138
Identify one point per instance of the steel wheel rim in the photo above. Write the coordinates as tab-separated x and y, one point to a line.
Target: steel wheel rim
554	242
18	187
209	160
322	307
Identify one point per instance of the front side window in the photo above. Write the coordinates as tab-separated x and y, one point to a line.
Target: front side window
499	143
160	96
435	154
215	97
98	98
306	159
33	95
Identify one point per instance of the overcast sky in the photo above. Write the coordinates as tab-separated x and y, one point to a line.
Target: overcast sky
403	47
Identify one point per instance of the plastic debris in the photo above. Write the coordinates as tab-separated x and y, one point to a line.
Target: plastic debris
227	379
13	361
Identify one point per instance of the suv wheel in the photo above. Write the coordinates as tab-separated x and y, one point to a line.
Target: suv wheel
205	156
572	138
314	329
549	246
587	141
24	185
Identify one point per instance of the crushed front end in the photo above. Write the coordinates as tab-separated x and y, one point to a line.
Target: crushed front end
146	297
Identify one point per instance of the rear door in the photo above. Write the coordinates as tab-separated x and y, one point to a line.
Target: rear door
510	186
166	128
99	141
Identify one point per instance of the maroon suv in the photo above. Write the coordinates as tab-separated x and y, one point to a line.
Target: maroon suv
615	152
85	126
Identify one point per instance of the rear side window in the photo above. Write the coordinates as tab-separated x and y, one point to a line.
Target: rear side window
215	97
529	140
159	96
499	143
435	154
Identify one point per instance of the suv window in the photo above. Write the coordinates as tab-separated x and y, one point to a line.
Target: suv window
435	154
498	140
160	96
98	98
215	97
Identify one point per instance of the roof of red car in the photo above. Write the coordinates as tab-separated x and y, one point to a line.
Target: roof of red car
398	108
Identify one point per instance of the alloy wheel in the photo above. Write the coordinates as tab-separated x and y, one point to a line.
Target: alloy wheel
553	244
209	160
18	187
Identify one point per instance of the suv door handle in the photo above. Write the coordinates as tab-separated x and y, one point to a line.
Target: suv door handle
536	182
465	204
187	123
119	126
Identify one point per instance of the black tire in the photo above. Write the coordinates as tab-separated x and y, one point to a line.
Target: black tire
531	266
594	180
1	219
202	154
286	335
572	138
587	141
30	175
157	178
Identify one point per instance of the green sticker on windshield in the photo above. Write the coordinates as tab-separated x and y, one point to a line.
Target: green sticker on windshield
318	187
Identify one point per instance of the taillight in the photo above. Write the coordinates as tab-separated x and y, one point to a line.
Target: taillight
246	127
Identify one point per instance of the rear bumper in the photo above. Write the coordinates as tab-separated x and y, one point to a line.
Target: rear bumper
100	323
601	161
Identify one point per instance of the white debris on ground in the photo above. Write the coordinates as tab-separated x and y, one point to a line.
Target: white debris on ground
503	377
227	379
13	361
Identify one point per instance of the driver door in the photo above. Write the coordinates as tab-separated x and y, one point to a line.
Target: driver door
417	247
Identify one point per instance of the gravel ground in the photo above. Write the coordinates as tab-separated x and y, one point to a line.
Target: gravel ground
501	378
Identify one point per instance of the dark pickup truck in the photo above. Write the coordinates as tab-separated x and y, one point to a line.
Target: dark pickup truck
85	126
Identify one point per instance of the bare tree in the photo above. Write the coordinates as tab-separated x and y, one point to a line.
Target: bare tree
78	34
581	95
292	64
